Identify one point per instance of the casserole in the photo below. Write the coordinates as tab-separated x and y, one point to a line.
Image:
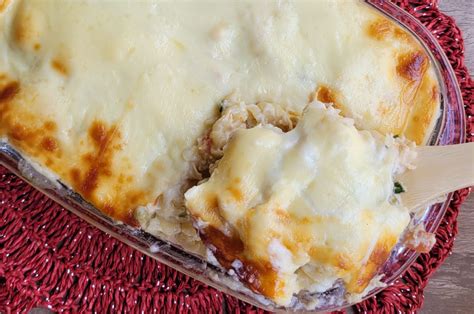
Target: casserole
99	133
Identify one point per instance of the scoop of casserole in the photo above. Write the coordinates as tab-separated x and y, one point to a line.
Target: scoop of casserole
301	210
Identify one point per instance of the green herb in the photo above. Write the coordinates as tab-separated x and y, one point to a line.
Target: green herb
398	188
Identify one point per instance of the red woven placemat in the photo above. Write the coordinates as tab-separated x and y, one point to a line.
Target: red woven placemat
51	258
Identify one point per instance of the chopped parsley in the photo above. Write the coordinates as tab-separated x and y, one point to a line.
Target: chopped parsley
398	188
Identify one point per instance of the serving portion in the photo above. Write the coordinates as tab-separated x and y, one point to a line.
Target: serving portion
133	103
291	211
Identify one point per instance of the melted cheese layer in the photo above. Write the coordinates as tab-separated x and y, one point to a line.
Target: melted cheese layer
109	95
311	203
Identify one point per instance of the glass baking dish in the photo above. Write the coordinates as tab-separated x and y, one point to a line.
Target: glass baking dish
450	129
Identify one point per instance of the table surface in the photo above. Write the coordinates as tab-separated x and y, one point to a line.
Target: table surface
451	289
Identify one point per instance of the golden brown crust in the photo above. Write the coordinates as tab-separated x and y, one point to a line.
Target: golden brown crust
382	29
89	170
97	163
259	275
424	112
258	272
412	66
379	29
381	252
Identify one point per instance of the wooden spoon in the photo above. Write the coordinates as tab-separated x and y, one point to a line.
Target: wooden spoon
439	170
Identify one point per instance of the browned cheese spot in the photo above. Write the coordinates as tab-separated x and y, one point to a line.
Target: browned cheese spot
22	30
412	66
377	258
60	67
49	144
379	29
402	34
259	275
236	193
326	95
23	127
75	175
98	162
425	110
20	132
212	202
97	169
50	126
9	91
384	29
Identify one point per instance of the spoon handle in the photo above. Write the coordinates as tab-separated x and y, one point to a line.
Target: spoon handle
439	170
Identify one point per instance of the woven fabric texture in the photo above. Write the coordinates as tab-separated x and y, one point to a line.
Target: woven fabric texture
51	258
